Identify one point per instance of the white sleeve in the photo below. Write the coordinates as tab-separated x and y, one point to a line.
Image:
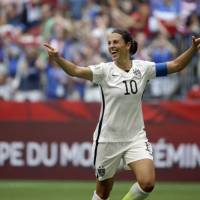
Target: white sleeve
98	72
150	69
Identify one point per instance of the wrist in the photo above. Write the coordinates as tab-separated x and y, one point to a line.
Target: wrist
56	57
194	49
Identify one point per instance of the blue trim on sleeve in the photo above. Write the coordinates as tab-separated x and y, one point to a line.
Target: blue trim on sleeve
161	69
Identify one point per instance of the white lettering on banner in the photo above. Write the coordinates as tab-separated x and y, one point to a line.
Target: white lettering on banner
11	152
33	154
69	154
16	155
39	154
86	159
76	154
45	154
52	159
4	152
196	157
185	155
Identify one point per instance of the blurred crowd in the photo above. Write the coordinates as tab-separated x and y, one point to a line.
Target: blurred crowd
78	28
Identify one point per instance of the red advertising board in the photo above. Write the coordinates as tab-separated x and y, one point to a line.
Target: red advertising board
53	140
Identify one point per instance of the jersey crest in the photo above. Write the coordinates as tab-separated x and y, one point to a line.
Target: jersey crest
137	73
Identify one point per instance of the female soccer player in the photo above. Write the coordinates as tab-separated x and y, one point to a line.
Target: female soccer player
120	133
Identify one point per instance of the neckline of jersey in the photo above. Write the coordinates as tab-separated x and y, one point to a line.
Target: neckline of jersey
123	71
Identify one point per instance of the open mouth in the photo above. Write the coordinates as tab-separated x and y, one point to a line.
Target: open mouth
114	53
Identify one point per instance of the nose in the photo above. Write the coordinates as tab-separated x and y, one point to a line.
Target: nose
111	46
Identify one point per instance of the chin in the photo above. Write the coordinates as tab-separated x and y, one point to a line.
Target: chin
114	58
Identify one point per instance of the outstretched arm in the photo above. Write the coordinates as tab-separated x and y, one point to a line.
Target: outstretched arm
69	67
181	61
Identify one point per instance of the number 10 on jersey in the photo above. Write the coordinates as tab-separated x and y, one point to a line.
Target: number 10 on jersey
130	86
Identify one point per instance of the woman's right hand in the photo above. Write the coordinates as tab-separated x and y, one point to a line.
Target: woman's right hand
52	52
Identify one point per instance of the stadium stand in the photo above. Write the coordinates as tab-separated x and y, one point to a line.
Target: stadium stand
26	73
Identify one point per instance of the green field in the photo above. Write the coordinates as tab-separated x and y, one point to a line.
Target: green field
70	190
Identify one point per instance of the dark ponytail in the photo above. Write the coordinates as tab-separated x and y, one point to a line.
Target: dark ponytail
134	46
127	38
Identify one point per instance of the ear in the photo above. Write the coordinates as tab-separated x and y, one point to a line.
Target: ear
128	46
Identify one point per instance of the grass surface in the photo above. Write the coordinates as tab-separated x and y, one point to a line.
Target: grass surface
70	190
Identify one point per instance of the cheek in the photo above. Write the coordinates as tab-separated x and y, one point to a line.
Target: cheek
123	51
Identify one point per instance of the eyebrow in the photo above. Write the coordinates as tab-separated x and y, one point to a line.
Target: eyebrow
113	40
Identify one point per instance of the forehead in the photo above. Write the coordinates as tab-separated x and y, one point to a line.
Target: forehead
114	36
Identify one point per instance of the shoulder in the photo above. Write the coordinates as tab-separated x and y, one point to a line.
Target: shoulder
143	65
145	68
100	71
101	65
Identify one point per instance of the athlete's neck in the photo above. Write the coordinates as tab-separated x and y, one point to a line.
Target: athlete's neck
124	65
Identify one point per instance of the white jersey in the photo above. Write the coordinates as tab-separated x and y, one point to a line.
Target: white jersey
121	117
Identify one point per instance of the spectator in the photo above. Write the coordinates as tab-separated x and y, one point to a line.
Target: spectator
55	87
31	15
160	51
76	8
5	88
13	55
48	21
2	49
165	16
58	22
28	77
187	7
193	23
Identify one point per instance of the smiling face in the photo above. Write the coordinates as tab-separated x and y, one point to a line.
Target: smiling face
117	47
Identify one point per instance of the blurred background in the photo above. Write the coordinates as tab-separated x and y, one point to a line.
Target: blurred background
47	118
78	29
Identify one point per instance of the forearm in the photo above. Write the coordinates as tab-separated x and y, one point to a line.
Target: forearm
66	65
74	70
69	67
181	61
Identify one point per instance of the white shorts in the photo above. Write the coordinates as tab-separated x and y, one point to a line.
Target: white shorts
108	156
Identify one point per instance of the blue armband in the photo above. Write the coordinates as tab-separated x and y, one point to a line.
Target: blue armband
161	69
